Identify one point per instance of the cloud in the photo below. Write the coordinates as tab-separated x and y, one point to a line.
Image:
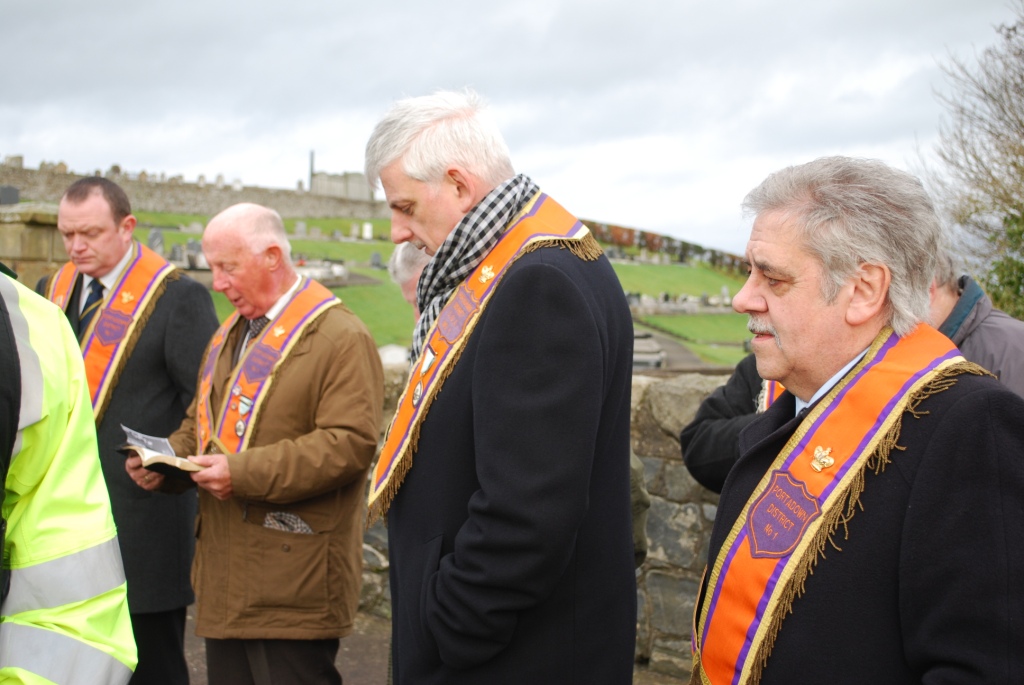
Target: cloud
646	113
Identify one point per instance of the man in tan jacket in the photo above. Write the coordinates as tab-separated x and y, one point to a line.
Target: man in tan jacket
285	424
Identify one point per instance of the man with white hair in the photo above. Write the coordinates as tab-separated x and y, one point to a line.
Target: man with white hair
505	473
870	530
284	424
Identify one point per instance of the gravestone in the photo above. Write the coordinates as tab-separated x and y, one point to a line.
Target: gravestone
375	261
8	195
177	254
155	242
300	229
193	251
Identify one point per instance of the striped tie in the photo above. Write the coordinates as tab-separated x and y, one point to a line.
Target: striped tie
256	325
92	303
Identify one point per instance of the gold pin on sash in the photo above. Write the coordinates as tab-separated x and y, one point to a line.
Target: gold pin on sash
126	297
821	459
486	273
279	331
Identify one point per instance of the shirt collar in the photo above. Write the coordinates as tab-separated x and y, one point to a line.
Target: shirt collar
283	300
109	280
829	384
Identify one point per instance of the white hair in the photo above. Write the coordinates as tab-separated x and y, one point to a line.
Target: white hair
432	132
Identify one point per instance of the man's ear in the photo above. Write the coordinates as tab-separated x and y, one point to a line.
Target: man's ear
274	257
870	293
128	224
465	186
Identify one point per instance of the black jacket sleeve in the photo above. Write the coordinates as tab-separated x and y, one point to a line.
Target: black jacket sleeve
710	443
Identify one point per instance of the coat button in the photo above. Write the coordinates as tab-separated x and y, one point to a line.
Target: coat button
286	548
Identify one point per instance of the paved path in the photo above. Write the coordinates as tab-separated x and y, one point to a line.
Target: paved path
363	656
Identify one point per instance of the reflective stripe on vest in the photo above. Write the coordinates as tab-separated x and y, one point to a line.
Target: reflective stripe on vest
74	578
57	657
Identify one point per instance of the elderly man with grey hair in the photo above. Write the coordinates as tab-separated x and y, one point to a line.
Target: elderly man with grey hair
283	425
869	531
505	473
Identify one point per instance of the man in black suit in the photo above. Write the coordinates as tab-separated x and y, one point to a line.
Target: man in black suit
509	523
143	327
870	530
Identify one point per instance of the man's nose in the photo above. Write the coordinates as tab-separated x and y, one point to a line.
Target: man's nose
746	301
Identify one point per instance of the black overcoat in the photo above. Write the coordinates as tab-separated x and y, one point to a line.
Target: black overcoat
928	586
155	530
510	539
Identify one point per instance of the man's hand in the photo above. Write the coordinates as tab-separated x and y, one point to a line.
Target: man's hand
144	478
216	478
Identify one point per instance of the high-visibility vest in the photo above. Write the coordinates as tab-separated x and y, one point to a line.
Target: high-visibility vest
65	618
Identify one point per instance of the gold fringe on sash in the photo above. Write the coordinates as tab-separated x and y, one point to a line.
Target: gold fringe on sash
587	249
841	515
129	347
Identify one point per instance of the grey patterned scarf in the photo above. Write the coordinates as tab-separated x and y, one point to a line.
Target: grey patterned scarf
465	246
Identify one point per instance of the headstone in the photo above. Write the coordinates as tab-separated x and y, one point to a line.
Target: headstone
155	241
8	195
354	233
300	229
219	183
236	185
375	261
367	230
193	250
177	254
201	181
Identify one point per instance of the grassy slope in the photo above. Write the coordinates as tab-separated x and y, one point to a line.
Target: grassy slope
390	319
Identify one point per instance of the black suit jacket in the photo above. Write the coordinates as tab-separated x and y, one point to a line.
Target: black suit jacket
929	585
510	539
155	530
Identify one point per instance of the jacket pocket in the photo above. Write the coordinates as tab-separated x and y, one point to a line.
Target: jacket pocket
286	570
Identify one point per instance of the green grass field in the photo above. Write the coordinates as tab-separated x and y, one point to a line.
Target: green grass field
714	337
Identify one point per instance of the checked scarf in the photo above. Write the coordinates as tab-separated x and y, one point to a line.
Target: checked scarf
463	249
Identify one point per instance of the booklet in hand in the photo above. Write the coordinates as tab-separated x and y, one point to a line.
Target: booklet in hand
156	453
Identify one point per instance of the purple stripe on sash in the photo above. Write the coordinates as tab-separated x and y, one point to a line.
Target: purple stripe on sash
780	566
145	294
295	329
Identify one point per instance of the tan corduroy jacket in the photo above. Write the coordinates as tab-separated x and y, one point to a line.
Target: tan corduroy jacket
314	439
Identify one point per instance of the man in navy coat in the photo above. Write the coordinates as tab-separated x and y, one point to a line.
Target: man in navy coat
505	476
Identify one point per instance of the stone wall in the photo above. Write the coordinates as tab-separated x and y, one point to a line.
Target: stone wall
152	195
29	243
678	523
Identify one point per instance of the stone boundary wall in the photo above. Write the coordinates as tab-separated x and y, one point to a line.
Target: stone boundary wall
678	523
191	198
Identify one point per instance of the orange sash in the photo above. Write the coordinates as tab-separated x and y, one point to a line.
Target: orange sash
109	340
253	375
542	222
814	482
770	391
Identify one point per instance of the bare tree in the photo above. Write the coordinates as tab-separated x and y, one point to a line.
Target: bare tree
981	144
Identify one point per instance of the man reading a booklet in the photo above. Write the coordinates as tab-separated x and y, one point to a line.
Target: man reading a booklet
285	422
870	530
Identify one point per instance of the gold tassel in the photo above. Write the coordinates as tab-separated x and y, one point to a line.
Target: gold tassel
841	515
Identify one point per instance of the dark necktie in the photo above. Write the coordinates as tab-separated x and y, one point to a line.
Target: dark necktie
92	303
256	325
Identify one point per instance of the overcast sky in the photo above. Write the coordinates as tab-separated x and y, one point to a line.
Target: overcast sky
656	114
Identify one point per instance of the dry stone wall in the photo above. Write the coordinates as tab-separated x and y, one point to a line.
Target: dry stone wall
678	523
48	185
